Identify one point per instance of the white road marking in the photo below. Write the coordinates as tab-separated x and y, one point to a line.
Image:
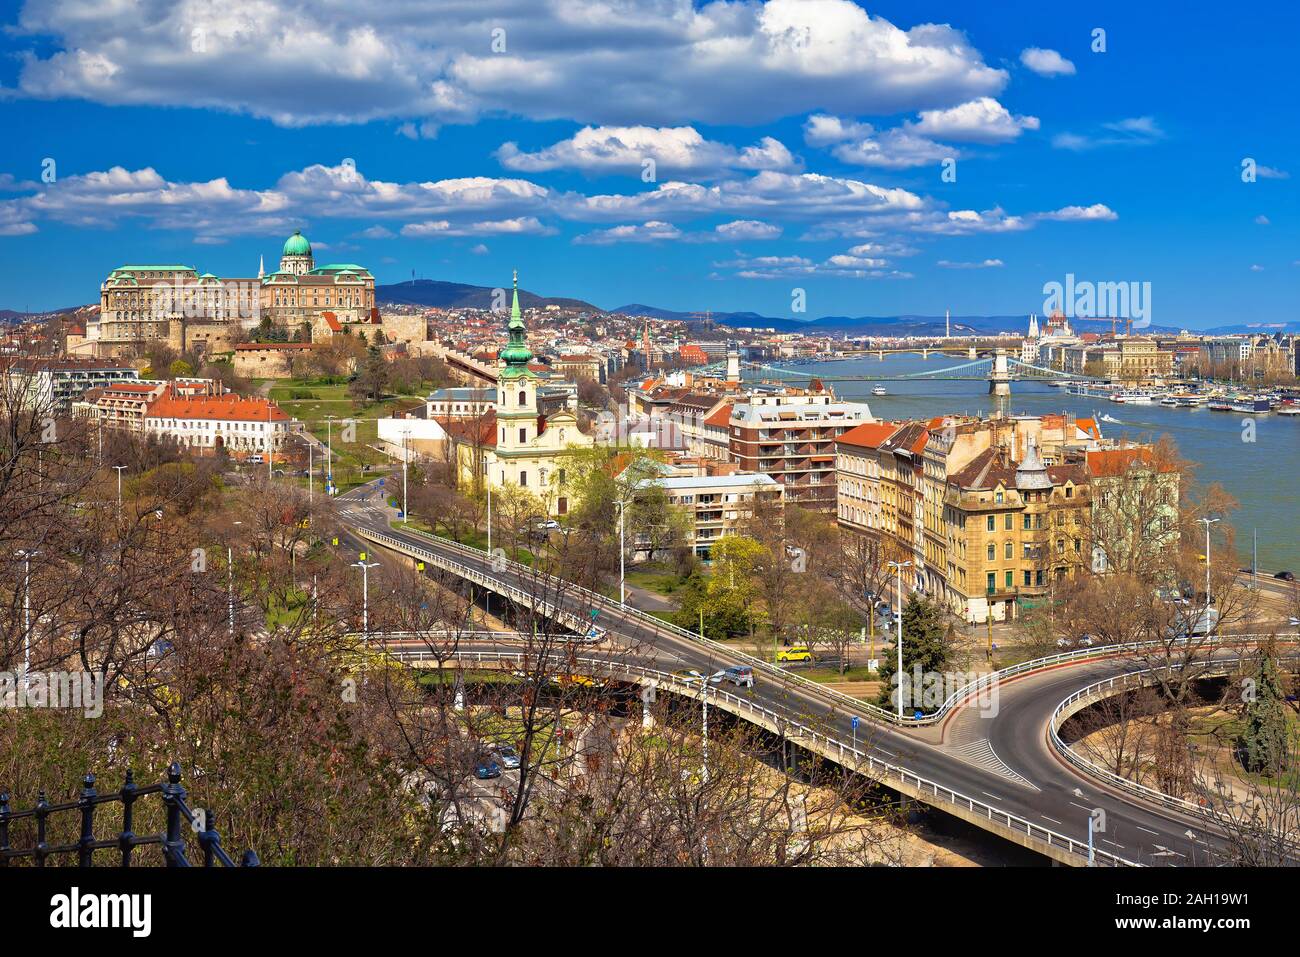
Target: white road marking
1088	809
1147	829
993	796
1052	819
1112	844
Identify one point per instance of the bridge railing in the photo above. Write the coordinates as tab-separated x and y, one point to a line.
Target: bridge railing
828	745
1105	688
180	818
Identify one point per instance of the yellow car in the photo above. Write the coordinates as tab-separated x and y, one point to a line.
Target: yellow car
794	653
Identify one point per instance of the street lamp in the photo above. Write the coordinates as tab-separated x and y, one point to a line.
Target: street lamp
406	516
487	481
365	596
26	556
898	594
705	681
329	453
119	484
1208	522
622	552
230	583
307	441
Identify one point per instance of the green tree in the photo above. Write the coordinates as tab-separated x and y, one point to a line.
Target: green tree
926	645
372	377
1262	746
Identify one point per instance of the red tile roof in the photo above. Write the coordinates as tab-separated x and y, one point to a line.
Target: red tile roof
229	408
868	435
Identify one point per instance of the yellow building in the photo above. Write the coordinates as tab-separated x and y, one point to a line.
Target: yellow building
514	443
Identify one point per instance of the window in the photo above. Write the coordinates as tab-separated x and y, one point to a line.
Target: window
523	434
997	497
1009	580
523	477
561	476
992	582
523	397
1069	491
991	520
1007	521
1007	550
992	552
1028	577
1028	521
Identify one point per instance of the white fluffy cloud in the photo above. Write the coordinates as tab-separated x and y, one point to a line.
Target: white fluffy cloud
842	266
620	62
740	230
1046	62
983	120
1066	214
519	226
625	149
894	149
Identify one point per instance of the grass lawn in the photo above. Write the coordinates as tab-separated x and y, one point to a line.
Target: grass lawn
354	462
657	578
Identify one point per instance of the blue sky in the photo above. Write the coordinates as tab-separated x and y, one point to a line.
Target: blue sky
796	144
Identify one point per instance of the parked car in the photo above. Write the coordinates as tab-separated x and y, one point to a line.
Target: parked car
595	634
487	769
1285	576
742	676
507	755
794	653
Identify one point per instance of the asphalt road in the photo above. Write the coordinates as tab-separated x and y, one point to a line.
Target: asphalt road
1020	775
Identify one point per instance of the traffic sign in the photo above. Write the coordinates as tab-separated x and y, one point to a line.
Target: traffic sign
855	722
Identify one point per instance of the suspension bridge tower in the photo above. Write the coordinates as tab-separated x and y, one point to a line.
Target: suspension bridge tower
1000	375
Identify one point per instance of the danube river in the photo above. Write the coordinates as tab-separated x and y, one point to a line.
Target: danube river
1261	475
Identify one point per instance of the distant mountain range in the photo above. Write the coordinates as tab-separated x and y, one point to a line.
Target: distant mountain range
457	295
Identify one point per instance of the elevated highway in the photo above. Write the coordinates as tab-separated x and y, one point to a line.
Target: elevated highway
997	768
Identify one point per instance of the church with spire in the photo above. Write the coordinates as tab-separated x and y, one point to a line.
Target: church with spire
515	443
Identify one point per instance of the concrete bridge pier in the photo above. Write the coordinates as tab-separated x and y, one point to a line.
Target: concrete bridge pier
970	353
1000	375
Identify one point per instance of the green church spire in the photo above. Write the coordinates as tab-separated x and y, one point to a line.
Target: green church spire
516	354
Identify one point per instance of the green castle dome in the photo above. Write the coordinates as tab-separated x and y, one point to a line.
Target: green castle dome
297	245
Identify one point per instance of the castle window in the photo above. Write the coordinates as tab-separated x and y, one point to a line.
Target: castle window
523	397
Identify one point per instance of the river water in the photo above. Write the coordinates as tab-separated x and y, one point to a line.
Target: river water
1260	474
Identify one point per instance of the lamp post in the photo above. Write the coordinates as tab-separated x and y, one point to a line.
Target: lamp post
365	597
119	485
898	590
26	556
230	584
406	516
329	453
622	552
487	480
1208	522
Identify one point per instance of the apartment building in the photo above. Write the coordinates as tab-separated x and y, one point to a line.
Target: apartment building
56	384
790	435
717	504
895	483
1016	528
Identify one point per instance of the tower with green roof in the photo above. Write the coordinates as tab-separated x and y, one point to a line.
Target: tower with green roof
517	414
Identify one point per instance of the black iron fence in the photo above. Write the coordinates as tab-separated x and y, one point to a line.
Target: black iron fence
181	818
